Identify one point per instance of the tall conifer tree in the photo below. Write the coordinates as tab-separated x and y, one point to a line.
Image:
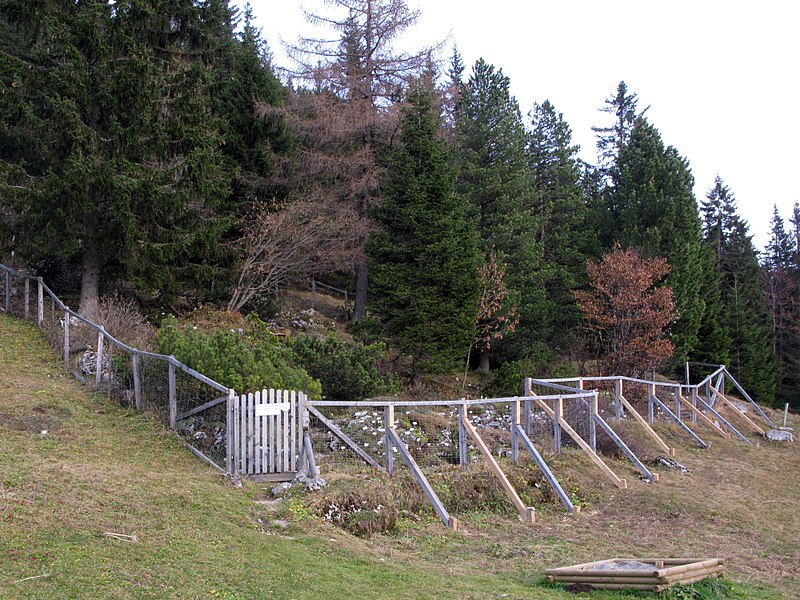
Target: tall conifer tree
424	259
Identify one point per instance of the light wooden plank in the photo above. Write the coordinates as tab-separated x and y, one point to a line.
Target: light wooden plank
250	433
739	412
240	404
650	431
527	514
259	438
697	413
278	433
271	442
286	397
293	421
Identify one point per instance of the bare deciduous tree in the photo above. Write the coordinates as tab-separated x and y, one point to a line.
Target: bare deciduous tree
301	237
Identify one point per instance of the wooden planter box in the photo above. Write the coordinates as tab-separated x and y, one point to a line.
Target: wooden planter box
615	574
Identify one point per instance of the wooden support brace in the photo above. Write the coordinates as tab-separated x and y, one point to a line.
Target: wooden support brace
344	437
703	417
620	483
548	474
448	520
749	399
527	514
683	425
624	447
724	421
650	431
739	412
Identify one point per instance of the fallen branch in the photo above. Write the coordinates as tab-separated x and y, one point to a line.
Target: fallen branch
29	578
122	537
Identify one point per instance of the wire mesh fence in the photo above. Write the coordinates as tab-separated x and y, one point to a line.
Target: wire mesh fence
191	404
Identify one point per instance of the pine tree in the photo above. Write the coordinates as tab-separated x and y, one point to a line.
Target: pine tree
611	140
736	310
780	275
112	149
657	212
495	179
564	234
424	259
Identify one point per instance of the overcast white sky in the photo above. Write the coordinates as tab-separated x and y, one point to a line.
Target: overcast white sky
722	78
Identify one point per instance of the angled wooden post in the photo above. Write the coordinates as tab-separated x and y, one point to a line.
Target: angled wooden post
388	425
27	308
39	301
98	369
526	513
650	431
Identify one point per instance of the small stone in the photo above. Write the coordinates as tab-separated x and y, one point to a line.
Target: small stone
281	488
281	524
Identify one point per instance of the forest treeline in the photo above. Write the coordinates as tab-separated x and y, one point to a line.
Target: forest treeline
151	147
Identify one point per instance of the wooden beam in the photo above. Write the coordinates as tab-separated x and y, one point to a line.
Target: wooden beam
624	447
650	431
654	399
451	522
526	513
548	474
739	412
703	417
344	437
620	483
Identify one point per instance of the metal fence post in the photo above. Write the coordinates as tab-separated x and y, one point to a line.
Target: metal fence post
558	412
39	302
173	401
66	338
27	309
462	435
230	437
527	391
137	383
515	421
592	421
98	370
388	423
618	398
8	292
651	391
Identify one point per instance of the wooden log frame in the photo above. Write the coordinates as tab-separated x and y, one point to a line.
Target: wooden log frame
649	430
665	573
617	481
738	412
393	440
527	514
655	400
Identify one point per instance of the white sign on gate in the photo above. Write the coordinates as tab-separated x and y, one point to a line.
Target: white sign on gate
272	410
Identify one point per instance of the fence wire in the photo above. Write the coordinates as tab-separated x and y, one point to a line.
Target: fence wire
75	340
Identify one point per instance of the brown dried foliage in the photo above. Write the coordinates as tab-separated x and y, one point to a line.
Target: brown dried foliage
627	312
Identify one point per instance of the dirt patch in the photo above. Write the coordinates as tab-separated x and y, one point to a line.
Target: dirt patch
43	419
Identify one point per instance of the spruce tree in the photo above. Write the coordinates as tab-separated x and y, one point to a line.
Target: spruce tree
111	148
496	181
424	258
657	212
736	301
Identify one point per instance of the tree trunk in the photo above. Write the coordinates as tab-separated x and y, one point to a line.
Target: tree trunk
484	361
360	307
90	281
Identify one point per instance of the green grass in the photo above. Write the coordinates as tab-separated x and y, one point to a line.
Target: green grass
101	468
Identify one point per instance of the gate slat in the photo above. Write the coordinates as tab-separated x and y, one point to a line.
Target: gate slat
250	439
237	434
263	440
292	420
257	443
271	435
285	445
242	426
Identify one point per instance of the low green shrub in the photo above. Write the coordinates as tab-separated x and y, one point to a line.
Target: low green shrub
347	371
236	359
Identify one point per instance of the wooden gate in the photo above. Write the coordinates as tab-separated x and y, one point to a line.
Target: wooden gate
267	434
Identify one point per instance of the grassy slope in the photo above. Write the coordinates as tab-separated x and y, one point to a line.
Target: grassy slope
101	468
